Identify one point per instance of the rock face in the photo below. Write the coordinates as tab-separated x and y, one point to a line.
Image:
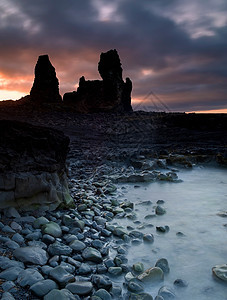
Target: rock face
32	167
109	94
46	86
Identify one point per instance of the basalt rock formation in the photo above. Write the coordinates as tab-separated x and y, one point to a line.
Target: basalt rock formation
109	94
45	88
32	167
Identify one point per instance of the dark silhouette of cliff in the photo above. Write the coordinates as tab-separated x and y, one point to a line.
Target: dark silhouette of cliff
109	94
45	88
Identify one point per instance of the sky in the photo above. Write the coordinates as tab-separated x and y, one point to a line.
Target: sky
174	51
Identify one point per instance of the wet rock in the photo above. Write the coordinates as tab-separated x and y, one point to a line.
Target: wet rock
77	245
10	273
61	276
166	293
162	229
6	263
84	269
115	271
135	287
43	287
180	283
45	88
148	238
138	267
92	254
80	288
29	277
101	281
140	296
163	264
52	229
7	296
159	210
129	276
151	274
220	271
32	255
63	294
39	222
58	248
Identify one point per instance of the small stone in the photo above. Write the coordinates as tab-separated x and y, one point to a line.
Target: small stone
159	210
138	267
129	276
9	286
43	287
140	296
80	288
15	226
77	245
103	294
148	238
60	275
48	239
63	294
11	273
119	231
52	229
7	296
18	238
162	229
84	269
166	293
8	229
162	263
33	255
6	263
220	271
115	271
58	248
135	287
180	283
92	254
39	222
151	274
11	245
29	277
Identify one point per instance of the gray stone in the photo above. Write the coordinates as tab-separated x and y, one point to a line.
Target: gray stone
7	296
18	238
10	273
180	283
33	255
63	294
12	245
129	276
58	248
46	269
115	271
101	281
84	269
43	287
162	263
11	212
6	263
37	244
29	277
159	210
138	267
148	238
15	226
77	245
119	231
103	294
48	239
159	298
8	229
52	229
68	267
97	244
9	286
166	293
92	254
220	271
60	275
34	236
151	275
39	222
80	288
136	234
135	287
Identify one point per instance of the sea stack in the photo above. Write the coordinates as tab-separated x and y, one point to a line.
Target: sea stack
45	88
110	94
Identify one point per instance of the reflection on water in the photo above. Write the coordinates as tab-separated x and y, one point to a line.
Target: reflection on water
192	208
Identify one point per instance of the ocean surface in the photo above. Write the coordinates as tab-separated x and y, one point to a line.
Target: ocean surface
192	208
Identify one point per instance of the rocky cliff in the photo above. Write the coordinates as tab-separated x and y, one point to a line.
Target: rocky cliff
109	94
45	88
32	167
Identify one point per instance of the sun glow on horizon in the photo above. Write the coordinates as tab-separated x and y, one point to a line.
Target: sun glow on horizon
10	95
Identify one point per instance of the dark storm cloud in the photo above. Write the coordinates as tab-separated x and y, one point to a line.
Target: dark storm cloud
150	35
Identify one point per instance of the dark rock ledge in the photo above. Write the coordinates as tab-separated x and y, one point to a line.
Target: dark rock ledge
32	167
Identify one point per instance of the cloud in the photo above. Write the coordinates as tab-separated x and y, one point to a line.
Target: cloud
176	48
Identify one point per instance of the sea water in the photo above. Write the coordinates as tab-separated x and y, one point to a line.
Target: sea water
192	208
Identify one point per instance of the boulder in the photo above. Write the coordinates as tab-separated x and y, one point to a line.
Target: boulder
45	88
109	94
32	167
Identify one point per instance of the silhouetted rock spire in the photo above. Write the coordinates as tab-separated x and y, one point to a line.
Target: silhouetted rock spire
45	88
109	94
